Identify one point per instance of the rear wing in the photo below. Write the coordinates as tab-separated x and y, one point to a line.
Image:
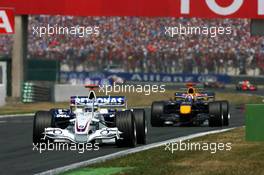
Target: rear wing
100	101
182	90
182	95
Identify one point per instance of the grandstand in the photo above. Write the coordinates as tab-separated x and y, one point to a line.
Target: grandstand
138	44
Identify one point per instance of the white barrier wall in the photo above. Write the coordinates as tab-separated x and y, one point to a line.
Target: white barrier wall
2	83
63	92
2	95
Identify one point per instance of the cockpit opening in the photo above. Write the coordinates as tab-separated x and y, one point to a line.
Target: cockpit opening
190	91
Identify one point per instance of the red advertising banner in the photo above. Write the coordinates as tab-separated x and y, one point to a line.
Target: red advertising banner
149	8
7	19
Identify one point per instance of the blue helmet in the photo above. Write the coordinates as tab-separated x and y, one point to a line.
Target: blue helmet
189	98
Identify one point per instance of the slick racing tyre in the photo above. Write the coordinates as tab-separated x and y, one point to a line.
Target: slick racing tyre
157	109
141	125
42	120
225	112
215	114
125	123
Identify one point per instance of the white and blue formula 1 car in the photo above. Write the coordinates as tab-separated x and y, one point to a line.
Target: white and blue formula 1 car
92	119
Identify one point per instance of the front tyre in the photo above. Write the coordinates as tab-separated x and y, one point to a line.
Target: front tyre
157	109
125	123
141	125
215	114
225	112
42	120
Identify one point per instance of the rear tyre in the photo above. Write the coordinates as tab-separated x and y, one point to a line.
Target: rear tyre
225	112
125	123
157	109
215	114
42	120
141	125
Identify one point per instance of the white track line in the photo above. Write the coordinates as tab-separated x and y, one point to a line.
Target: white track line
129	151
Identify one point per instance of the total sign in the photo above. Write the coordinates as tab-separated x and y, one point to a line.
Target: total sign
230	9
7	21
253	9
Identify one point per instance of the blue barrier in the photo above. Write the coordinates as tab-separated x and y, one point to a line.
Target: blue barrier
108	77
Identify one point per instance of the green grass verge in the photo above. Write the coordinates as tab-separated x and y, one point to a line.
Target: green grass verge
22	108
98	171
134	100
245	158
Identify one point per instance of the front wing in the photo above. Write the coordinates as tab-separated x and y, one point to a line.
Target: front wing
65	135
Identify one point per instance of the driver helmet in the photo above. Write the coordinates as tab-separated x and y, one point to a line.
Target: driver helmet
79	110
189	98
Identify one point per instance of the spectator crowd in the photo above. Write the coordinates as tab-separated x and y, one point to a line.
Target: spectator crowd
138	44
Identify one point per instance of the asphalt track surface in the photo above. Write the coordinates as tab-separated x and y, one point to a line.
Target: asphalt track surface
17	155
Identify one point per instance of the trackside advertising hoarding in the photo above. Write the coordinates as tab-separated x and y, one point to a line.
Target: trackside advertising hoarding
172	8
7	21
106	77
